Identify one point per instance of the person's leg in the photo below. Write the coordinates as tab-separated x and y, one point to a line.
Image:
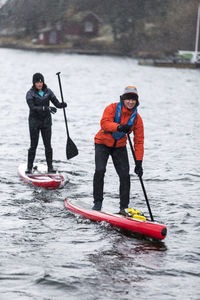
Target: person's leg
121	163
46	136
34	138
101	158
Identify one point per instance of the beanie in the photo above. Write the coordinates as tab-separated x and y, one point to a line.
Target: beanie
38	77
132	91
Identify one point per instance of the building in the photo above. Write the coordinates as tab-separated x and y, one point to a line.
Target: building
84	24
50	34
81	25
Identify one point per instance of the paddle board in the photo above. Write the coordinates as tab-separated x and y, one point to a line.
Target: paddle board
143	227
40	177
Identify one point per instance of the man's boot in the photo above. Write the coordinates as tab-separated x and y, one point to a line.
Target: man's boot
97	205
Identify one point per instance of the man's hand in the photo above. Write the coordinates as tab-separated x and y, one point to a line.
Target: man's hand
124	128
138	168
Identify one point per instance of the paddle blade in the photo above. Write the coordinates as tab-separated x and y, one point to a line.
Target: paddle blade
71	149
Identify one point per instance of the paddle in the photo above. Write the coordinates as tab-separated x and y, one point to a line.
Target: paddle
141	181
71	149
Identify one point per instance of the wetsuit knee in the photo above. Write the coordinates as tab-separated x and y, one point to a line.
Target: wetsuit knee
32	149
99	173
48	150
124	177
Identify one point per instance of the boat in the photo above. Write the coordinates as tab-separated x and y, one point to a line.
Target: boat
138	224
40	177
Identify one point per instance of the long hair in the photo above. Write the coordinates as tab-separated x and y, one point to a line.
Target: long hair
43	88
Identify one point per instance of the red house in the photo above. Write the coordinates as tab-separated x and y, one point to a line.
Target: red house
50	35
83	24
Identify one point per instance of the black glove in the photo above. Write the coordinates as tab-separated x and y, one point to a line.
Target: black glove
124	128
52	109
138	168
63	105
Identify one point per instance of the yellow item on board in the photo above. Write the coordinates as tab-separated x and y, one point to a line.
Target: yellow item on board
136	214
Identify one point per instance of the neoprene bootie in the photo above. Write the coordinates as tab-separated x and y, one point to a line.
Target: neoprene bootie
97	205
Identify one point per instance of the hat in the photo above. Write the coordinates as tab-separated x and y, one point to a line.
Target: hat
38	77
130	92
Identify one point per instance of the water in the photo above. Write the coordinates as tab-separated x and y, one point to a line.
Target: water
47	252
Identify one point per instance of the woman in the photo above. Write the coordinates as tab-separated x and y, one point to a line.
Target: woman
118	119
38	99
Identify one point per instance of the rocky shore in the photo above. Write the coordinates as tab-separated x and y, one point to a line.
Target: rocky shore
64	48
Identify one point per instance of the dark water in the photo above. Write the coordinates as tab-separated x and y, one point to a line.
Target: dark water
48	253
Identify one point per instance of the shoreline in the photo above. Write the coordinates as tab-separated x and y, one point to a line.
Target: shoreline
66	50
61	49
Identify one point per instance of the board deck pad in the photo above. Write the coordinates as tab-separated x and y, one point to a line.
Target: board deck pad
146	228
40	177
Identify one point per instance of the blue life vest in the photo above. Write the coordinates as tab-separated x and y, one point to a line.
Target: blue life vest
119	135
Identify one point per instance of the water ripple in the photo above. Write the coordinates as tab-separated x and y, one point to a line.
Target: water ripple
49	253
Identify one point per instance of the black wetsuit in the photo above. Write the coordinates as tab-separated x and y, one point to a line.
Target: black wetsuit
40	120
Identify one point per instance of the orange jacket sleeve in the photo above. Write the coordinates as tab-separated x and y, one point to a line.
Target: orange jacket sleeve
107	122
138	130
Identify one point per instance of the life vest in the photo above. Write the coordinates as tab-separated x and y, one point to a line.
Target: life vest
119	135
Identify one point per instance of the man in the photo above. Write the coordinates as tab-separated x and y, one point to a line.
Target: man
118	119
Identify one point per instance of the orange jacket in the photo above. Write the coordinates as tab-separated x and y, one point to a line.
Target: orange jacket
108	125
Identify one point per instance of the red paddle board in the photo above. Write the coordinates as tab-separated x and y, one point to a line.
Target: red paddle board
41	178
146	228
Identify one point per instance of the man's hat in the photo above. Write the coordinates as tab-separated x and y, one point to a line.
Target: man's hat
130	92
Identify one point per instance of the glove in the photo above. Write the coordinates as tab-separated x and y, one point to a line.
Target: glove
52	109
63	105
124	128
138	168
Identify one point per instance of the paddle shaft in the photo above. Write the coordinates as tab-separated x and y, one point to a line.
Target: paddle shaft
61	93
71	149
141	181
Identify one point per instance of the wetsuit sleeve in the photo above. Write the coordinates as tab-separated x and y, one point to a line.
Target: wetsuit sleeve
107	121
54	100
138	130
30	101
